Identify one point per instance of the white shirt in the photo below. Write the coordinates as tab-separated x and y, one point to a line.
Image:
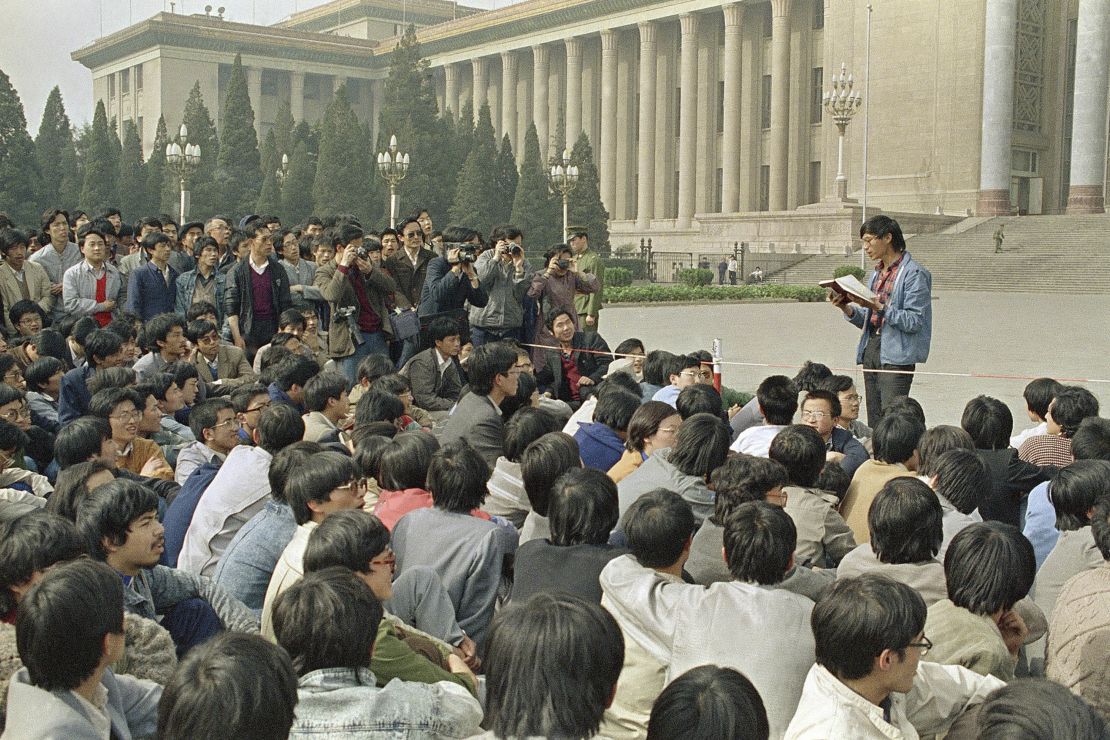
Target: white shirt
96	711
584	415
1038	430
258	270
756	441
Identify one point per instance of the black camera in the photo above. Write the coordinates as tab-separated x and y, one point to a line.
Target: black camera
516	250
468	253
563	264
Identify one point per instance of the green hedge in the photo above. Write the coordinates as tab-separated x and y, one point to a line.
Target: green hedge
664	293
637	268
848	270
617	277
695	277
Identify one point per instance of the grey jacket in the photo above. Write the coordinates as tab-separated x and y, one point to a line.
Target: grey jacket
478	421
157	589
79	290
658	472
505	287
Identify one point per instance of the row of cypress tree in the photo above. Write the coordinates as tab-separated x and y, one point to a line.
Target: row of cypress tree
460	173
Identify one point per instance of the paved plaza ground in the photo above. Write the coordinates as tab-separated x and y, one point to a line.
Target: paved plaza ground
998	333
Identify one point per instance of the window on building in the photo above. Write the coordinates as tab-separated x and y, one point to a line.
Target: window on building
311	87
269	82
354	91
816	107
814	182
111	86
125	81
765	187
767	22
818	14
720	106
719	190
138	78
1025	161
765	104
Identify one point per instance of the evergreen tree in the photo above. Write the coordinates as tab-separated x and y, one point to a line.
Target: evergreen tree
344	167
160	198
204	191
283	131
238	168
100	189
296	193
132	199
269	199
19	173
584	203
56	156
476	203
535	211
505	179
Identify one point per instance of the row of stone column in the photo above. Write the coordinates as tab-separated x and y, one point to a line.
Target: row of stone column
608	145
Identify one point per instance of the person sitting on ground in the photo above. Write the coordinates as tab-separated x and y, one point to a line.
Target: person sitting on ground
823	535
870	639
70	629
44	383
585	412
437	377
989	422
820	410
895	441
234	685
471	554
102	349
581	513
398	385
72	485
221	367
370	368
164	340
216	428
700	398
577	361
1031	708
163	399
404	468
904	524
541	464
120	526
1067	411
845	389
657	364
291	375
652	427
1038	394
701	446
679	372
188	382
493	375
290	328
709	701
778	401
507	498
553	666
123	408
325	397
743	624
601	441
988	570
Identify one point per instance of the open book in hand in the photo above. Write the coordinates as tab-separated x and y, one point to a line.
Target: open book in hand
851	287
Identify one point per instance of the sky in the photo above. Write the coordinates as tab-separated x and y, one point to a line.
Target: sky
35	51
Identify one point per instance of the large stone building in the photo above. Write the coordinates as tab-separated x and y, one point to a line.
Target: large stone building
706	117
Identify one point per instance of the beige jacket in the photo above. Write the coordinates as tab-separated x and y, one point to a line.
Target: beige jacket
866	483
38	288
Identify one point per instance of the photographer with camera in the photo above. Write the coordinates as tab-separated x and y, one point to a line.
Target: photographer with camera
359	293
452	280
504	274
555	288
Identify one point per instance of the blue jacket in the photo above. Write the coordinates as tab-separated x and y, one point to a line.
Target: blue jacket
185	285
74	396
599	446
148	294
445	291
179	515
907	318
855	454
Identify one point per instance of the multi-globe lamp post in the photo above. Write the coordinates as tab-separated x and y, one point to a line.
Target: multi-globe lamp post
282	171
183	158
842	102
563	176
393	166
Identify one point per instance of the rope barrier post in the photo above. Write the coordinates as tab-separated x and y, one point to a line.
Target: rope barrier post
717	364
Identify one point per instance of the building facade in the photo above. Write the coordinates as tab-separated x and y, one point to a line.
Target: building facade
705	117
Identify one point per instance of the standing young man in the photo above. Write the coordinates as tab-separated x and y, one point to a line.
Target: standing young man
57	256
204	283
257	292
898	325
21	280
588	304
92	286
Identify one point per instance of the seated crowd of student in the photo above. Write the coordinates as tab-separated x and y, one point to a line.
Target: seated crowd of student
257	530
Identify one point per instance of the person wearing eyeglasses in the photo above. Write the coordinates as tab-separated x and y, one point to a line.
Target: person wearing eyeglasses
870	680
123	409
821	410
681	372
215	425
409	265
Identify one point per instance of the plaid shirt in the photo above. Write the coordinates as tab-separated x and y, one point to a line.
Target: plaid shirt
1047	449
883	287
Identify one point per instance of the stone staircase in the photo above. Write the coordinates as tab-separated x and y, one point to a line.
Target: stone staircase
1041	254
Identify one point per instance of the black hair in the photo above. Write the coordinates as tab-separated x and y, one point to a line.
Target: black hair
181	371
395	384
1092	439
32	543
369	448
295	370
800	449
552	664
71	487
645	423
989	422
242	396
486	363
111	377
205	414
159	327
856	619
12	437
108	512
525	387
157	385
291	317
583	508
285	462
744	478
810	376
349	539
675	364
322	387
279	425
989	567
655	364
405	461
615	407
962	478
620	380
837	383
879	226
1039	393
47	218
21	308
701	445
443	327
125	328
200	308
833	479
234	685
80	439
328	619
52	343
1100	525
154	238
709	702
104	402
11	238
905	522
378	406
315	479
1037	709
62	622
896	436
699	398
525	427
1071	406
938	440
778	399
658	525
457	477
101	344
541	464
630	346
1074	490
759	542
374	366
907	406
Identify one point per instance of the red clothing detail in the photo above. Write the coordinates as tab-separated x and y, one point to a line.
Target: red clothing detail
9	618
368	320
392	505
262	294
570	372
884	287
103	318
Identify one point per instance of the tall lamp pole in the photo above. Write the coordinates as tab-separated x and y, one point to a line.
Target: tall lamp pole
393	166
563	176
282	171
842	102
183	158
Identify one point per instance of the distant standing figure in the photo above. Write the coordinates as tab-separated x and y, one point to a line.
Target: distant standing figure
998	237
732	268
722	268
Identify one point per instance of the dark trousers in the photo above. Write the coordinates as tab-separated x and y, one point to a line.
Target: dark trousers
190	623
879	389
262	331
480	336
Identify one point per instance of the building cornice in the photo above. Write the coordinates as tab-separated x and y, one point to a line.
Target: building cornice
341	12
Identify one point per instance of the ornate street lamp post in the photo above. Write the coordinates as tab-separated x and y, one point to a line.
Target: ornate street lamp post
562	177
282	171
842	102
393	166
183	158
